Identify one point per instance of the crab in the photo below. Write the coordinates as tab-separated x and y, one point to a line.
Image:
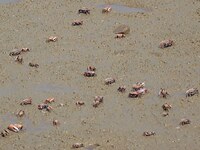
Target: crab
89	73
27	101
77	23
33	65
21	113
185	121
91	68
4	133
56	122
122	88
120	35
25	49
15	127
138	85
84	11
15	52
106	9
44	106
49	100
109	81
191	92
77	145
149	133
166	107
166	43
163	93
97	100
80	103
122	29
19	59
52	39
138	93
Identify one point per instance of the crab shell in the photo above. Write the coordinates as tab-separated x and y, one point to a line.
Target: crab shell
26	101
106	9
80	103
15	127
49	100
89	73
56	122
77	145
166	43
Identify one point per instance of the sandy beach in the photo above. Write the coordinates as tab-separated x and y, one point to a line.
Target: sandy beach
119	122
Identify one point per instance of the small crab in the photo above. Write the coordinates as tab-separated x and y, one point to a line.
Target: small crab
77	23
166	106
19	59
15	52
138	93
149	133
122	88
109	81
98	98
84	11
163	93
56	122
191	92
89	73
138	85
44	106
185	121
27	101
15	127
21	113
91	68
33	65
77	145
52	39
80	103
106	9
120	35
166	43
4	133
49	100
25	49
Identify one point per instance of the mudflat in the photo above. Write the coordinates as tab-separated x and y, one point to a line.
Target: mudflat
118	122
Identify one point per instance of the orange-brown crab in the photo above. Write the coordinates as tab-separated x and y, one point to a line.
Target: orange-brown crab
166	107
84	11
15	127
106	9
49	100
138	85
27	101
52	39
163	93
77	23
166	43
191	92
149	133
138	93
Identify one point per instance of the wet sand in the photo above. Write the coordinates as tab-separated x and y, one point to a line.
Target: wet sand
120	121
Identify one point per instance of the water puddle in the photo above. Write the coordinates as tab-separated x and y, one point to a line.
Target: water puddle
8	1
123	8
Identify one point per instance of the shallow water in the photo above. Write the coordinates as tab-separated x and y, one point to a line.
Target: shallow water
123	8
